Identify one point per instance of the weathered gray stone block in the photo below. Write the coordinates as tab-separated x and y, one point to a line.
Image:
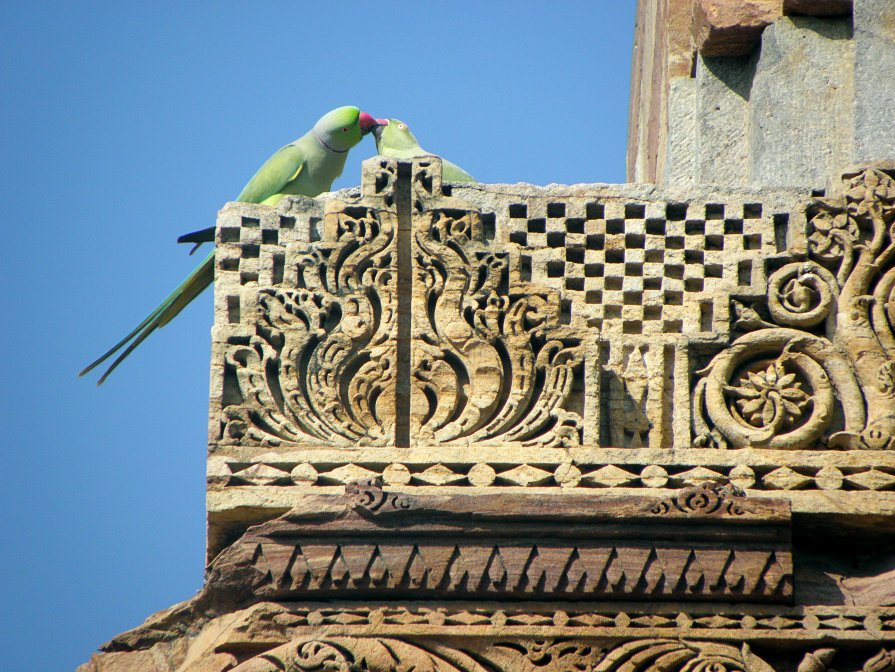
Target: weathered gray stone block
801	112
874	23
723	112
680	168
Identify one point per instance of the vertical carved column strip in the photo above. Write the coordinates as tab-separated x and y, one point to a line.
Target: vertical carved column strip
680	411
404	253
593	374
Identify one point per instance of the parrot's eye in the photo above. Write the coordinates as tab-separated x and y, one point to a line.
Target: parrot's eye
344	130
402	126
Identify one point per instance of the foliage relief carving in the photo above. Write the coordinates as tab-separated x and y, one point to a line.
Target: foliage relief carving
391	654
492	362
320	364
782	385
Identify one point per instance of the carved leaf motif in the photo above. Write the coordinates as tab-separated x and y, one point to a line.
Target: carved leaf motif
679	655
884	661
832	233
320	365
485	370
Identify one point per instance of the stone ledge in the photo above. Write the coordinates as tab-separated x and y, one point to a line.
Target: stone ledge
252	636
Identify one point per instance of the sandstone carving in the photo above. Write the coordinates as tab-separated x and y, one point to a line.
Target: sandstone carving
390	655
371	542
446	336
503	427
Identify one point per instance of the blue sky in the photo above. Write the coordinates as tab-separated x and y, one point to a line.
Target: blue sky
125	124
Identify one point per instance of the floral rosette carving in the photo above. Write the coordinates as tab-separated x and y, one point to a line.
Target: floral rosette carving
775	388
320	363
492	365
788	386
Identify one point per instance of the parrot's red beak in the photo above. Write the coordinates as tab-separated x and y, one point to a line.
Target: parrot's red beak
367	123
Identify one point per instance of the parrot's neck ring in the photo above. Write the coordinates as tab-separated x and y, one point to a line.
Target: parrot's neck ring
322	142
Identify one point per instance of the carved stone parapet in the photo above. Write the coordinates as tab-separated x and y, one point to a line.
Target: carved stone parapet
489	337
511	636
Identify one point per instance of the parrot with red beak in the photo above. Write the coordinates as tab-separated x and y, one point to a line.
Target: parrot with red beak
307	166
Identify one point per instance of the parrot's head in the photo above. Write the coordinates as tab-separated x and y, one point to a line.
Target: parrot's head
342	128
394	135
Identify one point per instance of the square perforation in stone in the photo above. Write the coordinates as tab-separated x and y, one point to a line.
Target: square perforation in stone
230	234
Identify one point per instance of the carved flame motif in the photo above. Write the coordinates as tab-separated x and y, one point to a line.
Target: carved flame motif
320	365
383	334
492	363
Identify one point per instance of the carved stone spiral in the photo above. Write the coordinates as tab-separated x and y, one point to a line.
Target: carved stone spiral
315	656
775	388
368	494
801	295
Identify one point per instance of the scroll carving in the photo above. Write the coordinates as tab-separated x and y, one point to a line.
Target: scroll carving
491	364
828	355
381	654
680	655
706	499
320	365
368	494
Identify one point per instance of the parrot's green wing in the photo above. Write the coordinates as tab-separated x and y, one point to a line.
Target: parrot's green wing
322	150
451	172
189	289
396	141
278	171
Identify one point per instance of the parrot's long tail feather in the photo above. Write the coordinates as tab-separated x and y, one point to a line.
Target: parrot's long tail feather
198	237
176	301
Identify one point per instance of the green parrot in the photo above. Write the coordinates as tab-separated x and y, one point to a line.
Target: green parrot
395	141
307	166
